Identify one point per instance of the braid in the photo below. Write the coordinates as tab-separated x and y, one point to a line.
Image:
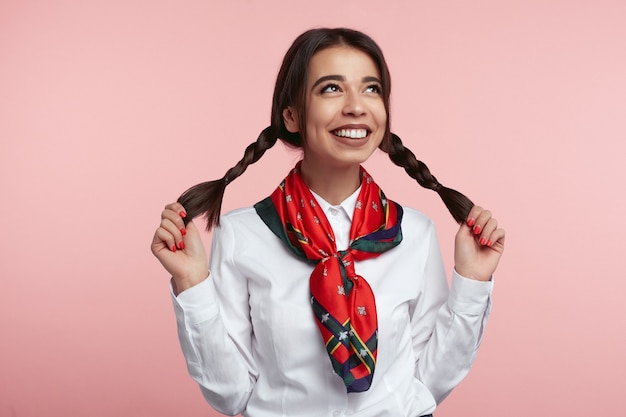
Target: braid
206	198
458	204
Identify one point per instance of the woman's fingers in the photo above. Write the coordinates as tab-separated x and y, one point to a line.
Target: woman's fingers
175	238
482	218
482	225
497	238
177	208
163	240
175	213
473	215
479	244
192	241
172	221
486	237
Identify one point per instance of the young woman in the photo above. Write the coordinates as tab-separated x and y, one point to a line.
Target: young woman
326	298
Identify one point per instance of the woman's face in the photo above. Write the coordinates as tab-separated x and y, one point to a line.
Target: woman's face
346	117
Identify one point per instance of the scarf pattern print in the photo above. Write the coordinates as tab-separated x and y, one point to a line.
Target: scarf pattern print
342	300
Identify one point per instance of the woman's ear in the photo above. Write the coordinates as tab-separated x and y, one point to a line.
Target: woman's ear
290	118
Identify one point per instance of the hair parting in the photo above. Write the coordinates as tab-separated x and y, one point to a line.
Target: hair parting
458	204
206	198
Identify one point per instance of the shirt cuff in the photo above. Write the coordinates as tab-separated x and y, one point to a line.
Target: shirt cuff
469	296
196	304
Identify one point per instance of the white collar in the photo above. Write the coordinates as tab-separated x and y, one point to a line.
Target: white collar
346	205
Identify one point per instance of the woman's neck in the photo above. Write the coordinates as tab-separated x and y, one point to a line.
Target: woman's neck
333	184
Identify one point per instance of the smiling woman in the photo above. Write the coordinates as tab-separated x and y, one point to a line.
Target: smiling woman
327	297
345	120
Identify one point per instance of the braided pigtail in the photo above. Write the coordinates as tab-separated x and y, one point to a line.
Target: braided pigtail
458	204
206	198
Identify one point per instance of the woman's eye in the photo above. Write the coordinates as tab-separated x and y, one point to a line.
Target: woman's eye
330	88
374	88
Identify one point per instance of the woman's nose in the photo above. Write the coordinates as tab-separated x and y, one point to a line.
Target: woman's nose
353	105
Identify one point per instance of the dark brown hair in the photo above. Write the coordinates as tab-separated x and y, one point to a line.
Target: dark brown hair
206	198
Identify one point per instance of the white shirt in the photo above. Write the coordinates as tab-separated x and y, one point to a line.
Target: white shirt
250	339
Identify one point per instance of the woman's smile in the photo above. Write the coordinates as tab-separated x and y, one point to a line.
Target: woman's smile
352	133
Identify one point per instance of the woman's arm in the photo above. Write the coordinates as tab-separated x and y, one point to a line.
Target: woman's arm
447	324
212	314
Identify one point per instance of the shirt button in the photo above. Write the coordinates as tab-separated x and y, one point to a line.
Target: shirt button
334	212
336	413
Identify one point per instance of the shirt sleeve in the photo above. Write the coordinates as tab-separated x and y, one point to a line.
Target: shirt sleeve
447	324
216	337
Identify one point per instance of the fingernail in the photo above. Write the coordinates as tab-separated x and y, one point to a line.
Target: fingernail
477	229
174	248
471	221
489	242
183	231
181	245
182	214
482	241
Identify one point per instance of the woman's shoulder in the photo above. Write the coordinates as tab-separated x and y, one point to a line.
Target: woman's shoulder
415	218
240	213
245	232
241	217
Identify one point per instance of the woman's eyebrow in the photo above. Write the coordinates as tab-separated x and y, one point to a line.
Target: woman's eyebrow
328	78
342	78
371	79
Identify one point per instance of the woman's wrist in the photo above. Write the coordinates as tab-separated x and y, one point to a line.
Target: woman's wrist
181	284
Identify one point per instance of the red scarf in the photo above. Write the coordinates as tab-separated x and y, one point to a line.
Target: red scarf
342	300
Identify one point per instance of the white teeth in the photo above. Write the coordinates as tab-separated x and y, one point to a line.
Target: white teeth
351	133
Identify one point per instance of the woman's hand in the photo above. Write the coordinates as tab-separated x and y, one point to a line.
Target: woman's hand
180	249
478	245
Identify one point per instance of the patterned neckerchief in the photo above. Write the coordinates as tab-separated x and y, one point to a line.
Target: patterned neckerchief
342	301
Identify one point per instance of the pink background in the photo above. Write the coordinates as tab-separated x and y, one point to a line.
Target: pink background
110	109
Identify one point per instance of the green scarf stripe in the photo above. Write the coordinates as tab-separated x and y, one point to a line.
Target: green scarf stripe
267	212
332	344
358	343
337	366
372	342
358	346
298	234
348	379
356	360
331	324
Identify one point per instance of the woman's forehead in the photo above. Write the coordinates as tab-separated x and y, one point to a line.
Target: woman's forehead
343	61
